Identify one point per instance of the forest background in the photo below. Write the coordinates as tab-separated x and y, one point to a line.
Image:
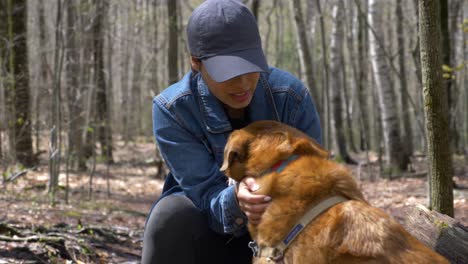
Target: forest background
77	78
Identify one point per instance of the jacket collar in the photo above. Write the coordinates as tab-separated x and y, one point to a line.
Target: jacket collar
262	106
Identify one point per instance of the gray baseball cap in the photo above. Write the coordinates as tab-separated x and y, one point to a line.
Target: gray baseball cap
224	35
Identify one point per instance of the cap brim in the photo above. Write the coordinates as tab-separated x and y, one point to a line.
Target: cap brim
224	67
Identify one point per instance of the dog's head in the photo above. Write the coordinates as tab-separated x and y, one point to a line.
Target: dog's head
257	147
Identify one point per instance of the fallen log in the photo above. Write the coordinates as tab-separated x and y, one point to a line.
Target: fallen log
63	242
440	232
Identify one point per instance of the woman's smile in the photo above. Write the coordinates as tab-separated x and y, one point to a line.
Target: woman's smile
242	97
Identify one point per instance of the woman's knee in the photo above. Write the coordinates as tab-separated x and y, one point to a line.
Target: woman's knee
169	231
174	214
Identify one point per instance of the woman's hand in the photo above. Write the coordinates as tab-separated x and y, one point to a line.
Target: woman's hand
253	205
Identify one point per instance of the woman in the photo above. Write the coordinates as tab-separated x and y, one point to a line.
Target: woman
199	218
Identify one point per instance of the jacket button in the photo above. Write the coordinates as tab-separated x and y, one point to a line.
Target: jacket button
239	221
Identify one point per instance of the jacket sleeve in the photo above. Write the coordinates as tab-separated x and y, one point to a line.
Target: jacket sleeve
196	171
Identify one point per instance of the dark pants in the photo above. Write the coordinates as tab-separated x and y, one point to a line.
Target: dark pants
177	232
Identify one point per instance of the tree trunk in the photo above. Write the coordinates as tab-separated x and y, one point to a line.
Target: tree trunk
87	81
124	84
19	68
184	53
279	44
350	87
3	34
45	74
408	136
417	63
102	98
173	49
9	82
255	7
364	127
336	82
305	56
311	27
74	94
325	87
436	109
447	77
416	50
55	132
268	18
395	160
454	107
465	84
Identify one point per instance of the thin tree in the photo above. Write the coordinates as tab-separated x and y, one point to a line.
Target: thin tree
279	34
55	138
406	114
364	128
465	84
268	18
305	56
154	78
136	82
456	9
336	83
350	72
45	73
255	7
448	65
325	80
85	18
436	109
124	70
73	91
395	160
416	50
415	54
173	47
3	45
102	99
18	69
8	79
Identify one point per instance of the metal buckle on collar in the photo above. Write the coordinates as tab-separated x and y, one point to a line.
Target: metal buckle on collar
254	246
272	254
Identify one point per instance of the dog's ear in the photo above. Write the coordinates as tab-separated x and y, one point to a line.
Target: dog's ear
311	147
232	155
285	147
235	155
228	158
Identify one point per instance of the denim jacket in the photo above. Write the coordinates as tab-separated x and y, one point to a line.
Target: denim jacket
191	129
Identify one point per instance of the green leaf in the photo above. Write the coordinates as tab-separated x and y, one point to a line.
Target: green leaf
20	121
446	68
447	76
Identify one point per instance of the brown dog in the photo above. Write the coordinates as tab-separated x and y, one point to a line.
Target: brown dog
350	231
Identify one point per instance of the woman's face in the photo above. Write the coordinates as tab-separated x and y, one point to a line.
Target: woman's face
235	93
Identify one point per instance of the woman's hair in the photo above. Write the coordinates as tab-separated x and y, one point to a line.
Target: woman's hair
194	71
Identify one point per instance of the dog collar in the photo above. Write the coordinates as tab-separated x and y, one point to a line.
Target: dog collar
276	253
281	164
